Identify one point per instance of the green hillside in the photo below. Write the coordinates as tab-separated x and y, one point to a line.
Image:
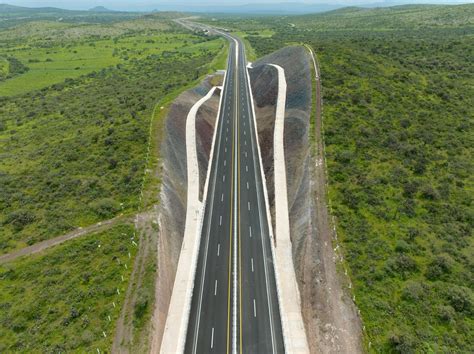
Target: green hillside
398	90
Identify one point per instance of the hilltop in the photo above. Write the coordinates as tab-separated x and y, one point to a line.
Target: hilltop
100	9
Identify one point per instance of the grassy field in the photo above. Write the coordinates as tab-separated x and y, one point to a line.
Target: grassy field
398	107
66	299
73	153
56	60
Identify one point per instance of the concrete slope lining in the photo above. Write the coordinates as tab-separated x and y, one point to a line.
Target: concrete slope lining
293	325
178	312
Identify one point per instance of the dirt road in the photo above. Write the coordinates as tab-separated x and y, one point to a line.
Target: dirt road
41	246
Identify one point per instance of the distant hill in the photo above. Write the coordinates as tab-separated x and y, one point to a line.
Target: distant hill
100	9
389	18
6	9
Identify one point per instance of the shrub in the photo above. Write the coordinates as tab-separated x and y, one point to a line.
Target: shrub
105	208
413	291
401	265
20	218
446	313
403	343
440	266
460	298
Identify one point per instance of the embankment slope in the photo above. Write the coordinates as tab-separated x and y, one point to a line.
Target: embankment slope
331	320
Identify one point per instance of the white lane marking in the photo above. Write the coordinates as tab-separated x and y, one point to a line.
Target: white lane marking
254	137
250	230
245	142
220	220
203	274
225	149
246	168
223	178
212	338
218	249
252	264
222	197
248	203
245	153
225	138
234	307
225	162
254	309
245	133
227	130
215	288
247	185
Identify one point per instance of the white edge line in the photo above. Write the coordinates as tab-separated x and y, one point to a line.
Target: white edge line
254	141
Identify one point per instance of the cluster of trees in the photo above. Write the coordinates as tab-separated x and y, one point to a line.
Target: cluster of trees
12	68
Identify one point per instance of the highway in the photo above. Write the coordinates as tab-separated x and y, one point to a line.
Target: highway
234	306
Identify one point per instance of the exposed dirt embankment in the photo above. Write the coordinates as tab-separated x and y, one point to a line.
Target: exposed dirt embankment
172	211
330	317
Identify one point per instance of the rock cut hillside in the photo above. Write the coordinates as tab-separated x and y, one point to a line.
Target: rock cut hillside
331	320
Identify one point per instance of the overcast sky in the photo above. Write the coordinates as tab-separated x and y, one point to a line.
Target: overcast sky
140	4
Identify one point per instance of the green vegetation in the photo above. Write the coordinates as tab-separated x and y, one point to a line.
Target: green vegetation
70	51
74	153
15	15
82	97
61	301
398	94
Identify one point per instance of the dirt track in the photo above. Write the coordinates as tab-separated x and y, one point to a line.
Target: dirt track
41	246
330	314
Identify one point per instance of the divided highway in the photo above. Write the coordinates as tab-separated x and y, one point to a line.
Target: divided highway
234	307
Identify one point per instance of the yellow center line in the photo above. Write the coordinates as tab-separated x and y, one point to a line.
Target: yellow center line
240	253
230	228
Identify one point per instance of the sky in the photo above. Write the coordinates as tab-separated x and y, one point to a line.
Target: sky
146	4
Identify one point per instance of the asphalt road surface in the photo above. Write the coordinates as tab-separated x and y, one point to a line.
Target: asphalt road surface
234	306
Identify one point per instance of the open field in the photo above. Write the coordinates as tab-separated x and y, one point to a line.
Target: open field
398	107
71	51
60	301
74	153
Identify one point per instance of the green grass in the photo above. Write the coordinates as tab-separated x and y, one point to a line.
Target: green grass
60	301
4	67
52	65
74	153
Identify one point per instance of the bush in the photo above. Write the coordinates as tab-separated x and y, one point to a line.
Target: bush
141	306
446	313
413	291
105	208
460	298
403	343
440	266
20	218
401	265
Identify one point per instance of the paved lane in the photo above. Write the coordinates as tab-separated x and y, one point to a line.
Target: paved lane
234	306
